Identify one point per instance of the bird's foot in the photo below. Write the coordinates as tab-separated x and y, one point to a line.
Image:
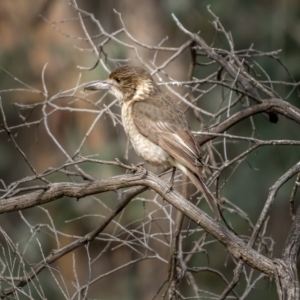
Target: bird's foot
171	181
170	189
140	164
139	168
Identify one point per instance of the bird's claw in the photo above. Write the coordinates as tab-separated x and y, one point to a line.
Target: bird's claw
139	168
170	189
171	181
140	165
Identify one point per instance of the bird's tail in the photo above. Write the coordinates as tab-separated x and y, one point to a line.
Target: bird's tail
201	186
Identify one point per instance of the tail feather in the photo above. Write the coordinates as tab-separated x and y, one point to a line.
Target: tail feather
201	186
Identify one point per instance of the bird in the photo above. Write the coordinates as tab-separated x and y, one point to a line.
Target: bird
156	126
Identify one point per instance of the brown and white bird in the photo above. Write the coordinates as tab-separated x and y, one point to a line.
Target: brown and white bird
156	126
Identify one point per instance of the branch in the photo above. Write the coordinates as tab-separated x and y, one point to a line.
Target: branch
55	255
279	106
58	190
233	67
287	280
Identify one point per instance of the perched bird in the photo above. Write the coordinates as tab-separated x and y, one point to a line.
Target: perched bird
156	126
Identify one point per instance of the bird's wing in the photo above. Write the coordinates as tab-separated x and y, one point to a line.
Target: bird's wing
167	127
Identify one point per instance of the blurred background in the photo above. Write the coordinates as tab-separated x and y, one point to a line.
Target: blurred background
30	41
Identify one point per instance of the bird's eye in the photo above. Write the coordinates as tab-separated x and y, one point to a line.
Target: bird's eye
118	80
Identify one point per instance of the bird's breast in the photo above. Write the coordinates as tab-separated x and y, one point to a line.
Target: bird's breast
151	152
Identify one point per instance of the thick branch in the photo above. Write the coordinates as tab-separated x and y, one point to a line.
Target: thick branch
276	105
57	190
287	280
56	254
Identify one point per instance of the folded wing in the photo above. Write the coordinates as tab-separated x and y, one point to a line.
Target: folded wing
169	130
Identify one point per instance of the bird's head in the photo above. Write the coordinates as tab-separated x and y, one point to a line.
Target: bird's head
126	83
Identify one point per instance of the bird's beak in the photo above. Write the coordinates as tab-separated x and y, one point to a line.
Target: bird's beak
98	85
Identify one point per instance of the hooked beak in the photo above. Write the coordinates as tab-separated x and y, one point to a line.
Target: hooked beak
98	85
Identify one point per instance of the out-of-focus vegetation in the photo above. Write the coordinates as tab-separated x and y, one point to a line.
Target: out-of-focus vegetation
32	48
